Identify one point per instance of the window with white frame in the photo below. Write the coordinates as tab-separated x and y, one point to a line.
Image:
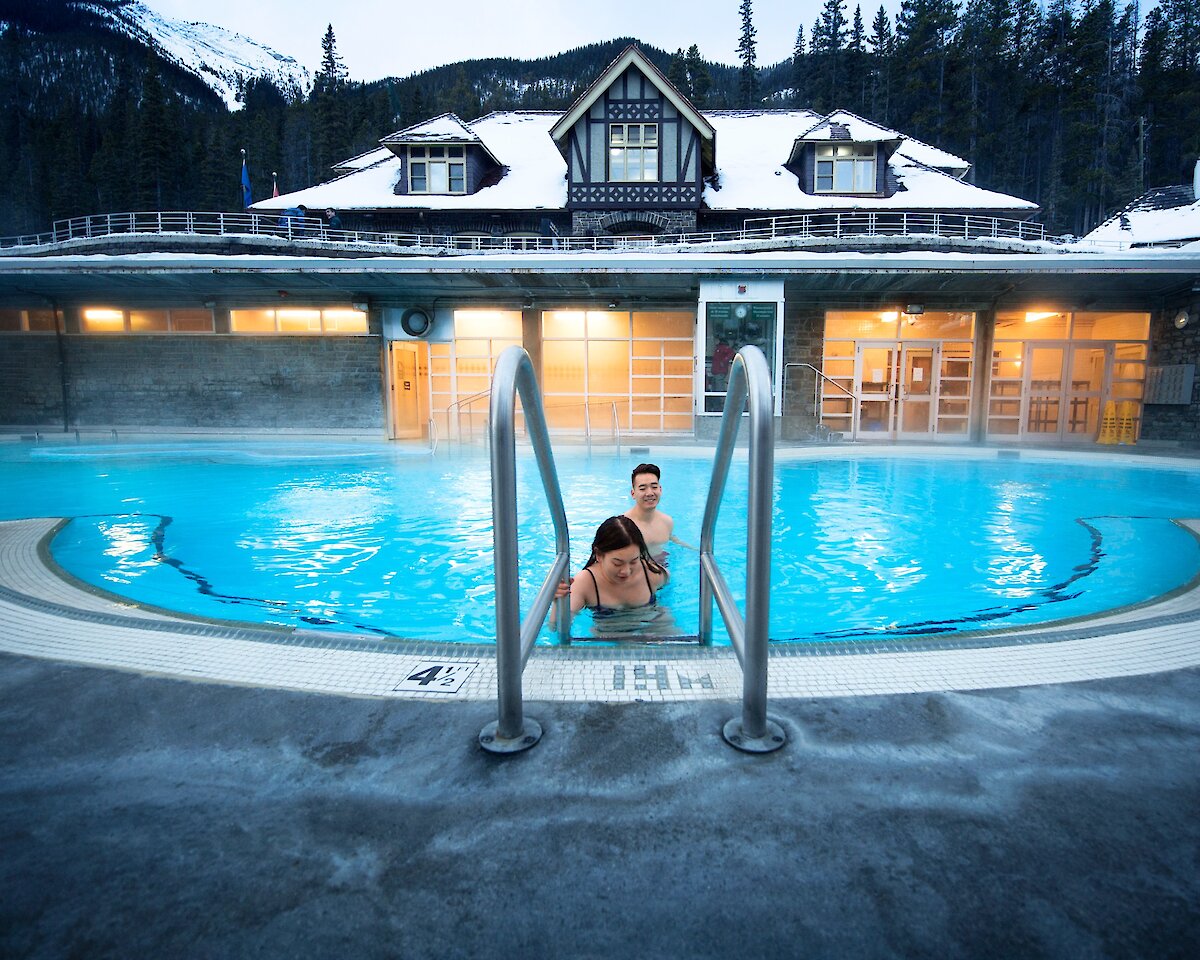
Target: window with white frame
135	320
632	152
35	320
328	321
846	168
437	169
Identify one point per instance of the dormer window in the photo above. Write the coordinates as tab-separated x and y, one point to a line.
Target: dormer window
632	152
437	169
846	168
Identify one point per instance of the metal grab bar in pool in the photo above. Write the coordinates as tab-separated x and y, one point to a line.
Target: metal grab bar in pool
512	731
749	378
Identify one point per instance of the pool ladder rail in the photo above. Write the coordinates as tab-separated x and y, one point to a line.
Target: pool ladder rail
749	382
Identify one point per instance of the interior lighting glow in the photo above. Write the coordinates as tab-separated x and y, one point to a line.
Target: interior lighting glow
890	317
1033	317
103	315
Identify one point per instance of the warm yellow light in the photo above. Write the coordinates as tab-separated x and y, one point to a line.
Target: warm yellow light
103	315
890	317
298	314
1033	317
487	323
342	315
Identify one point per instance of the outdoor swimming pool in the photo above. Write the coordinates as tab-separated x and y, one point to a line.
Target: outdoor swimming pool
388	541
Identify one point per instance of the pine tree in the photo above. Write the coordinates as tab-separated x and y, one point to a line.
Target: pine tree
152	146
463	100
699	78
828	54
882	47
332	75
748	75
330	130
924	30
677	72
800	96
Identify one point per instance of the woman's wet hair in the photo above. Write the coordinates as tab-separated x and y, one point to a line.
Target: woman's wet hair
617	533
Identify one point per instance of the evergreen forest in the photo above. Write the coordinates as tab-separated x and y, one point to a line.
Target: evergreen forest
1080	105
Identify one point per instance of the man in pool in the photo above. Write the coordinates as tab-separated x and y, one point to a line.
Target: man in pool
658	529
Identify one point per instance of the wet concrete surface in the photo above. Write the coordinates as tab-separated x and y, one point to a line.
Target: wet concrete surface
150	817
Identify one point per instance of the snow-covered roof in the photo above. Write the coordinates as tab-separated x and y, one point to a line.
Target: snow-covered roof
1149	221
447	128
535	177
753	147
363	160
842	125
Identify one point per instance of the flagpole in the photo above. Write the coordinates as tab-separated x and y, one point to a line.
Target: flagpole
246	196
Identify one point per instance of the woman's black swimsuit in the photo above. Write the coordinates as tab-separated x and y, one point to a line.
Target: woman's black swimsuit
599	610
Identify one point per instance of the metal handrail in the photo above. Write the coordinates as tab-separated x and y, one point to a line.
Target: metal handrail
512	732
818	226
749	379
829	380
457	406
817	406
587	417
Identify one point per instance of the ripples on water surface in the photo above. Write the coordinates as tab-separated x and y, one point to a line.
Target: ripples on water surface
381	540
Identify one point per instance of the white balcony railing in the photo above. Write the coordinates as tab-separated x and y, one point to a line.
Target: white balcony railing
309	231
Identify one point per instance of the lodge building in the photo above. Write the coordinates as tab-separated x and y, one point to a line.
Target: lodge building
626	244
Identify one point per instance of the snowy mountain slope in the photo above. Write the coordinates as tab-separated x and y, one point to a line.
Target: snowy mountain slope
223	60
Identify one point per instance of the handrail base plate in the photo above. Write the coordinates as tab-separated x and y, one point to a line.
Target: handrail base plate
491	741
772	739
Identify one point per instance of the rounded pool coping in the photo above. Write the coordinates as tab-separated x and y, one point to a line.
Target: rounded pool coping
43	614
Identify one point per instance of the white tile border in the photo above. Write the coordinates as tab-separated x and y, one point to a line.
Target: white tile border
75	625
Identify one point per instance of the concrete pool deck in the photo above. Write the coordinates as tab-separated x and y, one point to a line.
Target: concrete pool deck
306	804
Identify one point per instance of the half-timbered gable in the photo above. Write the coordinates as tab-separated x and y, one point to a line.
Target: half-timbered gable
637	151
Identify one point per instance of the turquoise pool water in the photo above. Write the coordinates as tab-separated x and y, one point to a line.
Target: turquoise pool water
380	540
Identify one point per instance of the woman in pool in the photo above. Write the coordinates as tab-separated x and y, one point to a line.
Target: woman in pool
621	583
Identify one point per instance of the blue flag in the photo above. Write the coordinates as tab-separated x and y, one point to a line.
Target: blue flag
246	200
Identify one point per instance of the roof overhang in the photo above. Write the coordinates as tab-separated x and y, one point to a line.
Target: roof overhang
1129	280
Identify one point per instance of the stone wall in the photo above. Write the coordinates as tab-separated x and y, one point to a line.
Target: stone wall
1177	423
30	381
804	332
314	384
599	223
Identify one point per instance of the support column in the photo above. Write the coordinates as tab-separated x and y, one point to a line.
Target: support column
985	337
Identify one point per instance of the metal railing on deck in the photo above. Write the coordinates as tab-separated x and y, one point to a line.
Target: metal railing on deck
749	379
513	731
817	226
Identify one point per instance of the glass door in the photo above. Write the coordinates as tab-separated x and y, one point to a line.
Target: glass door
1044	390
1088	363
406	382
917	391
875	372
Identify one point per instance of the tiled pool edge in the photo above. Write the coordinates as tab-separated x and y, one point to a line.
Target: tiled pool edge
42	615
